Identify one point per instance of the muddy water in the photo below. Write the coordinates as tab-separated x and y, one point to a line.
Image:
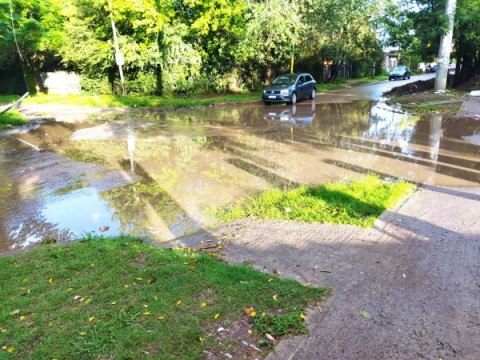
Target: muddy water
157	174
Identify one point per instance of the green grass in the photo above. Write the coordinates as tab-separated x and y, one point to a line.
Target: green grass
446	109
12	118
164	102
122	298
369	79
358	202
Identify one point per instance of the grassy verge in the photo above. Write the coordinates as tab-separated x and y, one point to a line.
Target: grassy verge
358	202
428	102
11	118
122	298
368	79
164	102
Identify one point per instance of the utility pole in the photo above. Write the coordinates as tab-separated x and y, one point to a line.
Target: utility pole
118	55
445	48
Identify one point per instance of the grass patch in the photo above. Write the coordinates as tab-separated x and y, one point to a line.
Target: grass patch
369	79
122	298
358	202
12	118
164	102
445	108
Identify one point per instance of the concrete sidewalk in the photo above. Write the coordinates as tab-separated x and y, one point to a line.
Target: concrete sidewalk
416	274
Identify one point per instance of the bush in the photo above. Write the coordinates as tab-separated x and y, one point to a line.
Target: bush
145	83
95	86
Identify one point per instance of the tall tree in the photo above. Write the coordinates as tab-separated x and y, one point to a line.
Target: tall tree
31	33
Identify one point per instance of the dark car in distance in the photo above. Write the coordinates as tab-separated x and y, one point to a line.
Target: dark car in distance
399	72
290	88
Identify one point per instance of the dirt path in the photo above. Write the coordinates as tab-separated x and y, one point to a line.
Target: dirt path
416	274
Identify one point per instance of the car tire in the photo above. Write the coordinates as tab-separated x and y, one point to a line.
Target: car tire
267	102
313	94
293	99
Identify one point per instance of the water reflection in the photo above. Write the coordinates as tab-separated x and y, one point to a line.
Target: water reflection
157	174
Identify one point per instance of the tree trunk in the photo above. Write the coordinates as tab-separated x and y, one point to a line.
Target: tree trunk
445	48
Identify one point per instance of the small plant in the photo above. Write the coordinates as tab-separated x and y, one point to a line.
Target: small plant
12	118
281	324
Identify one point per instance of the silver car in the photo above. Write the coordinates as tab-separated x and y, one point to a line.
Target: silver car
290	88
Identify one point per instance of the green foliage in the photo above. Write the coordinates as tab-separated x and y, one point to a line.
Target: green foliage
357	202
122	298
95	86
38	32
12	118
190	46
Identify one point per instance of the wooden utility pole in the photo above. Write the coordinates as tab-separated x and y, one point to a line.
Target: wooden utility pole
445	48
118	55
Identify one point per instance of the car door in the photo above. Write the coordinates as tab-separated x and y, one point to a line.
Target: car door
301	86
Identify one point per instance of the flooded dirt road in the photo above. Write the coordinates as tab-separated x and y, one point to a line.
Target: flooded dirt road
157	174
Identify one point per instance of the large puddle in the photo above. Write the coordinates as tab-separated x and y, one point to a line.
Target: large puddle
157	174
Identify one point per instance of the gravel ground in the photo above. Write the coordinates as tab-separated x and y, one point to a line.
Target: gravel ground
408	288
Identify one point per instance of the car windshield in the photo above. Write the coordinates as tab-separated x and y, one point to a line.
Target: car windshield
399	68
285	80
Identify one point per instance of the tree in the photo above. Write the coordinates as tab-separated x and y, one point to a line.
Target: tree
272	28
343	31
31	34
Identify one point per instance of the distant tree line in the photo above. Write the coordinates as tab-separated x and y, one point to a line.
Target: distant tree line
177	46
417	25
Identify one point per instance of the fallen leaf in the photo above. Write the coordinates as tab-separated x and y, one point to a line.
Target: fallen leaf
364	314
253	314
11	349
248	311
3	330
138	279
179	302
82	333
302	316
88	301
50	281
22	317
204	304
263	313
269	280
270	337
201	340
69	289
15	312
192	262
113	303
274	297
160	317
250	331
91	318
216	316
145	305
146	313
